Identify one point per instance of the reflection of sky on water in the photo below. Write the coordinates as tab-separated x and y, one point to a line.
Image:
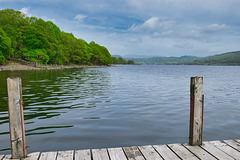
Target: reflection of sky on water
121	106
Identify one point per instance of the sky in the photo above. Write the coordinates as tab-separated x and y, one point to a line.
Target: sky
139	28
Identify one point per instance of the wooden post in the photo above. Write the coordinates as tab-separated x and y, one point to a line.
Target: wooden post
196	111
16	118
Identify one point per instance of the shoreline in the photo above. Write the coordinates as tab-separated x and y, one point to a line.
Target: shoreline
21	67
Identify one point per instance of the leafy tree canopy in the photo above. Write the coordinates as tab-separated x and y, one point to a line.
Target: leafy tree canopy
34	39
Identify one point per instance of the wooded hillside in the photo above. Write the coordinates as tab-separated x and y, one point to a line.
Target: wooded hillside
34	39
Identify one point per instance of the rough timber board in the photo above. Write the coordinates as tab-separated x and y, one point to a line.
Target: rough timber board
182	152
166	152
116	154
48	156
149	152
100	154
199	152
133	153
1	157
215	151
7	157
33	156
83	154
227	149
65	155
233	144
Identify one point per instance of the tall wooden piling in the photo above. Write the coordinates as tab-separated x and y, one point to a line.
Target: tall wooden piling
196	111
16	118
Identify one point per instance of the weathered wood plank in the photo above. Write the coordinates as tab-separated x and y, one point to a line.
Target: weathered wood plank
48	155
83	154
166	153
1	157
233	144
237	140
215	151
199	152
196	111
32	156
16	118
227	149
100	154
149	152
7	157
133	153
182	152
116	154
65	155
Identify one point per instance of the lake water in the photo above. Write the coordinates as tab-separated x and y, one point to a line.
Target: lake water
120	106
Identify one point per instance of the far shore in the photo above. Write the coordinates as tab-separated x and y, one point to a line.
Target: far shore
18	66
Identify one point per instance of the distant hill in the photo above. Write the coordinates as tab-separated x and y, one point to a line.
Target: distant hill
230	58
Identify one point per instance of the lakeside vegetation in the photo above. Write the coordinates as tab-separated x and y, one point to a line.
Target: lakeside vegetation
36	40
229	58
120	60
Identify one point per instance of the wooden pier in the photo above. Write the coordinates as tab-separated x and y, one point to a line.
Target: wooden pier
209	150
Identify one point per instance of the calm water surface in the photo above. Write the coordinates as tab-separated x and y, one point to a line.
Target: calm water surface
120	106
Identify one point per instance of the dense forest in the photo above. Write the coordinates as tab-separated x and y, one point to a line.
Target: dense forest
33	39
230	58
120	60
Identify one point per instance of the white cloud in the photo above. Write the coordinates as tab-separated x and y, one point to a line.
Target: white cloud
215	28
152	24
25	11
80	17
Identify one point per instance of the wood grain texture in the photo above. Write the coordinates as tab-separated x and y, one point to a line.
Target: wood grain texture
16	118
33	156
182	152
65	155
166	152
215	151
149	152
116	154
199	152
83	154
233	144
227	149
133	153
48	156
196	111
100	154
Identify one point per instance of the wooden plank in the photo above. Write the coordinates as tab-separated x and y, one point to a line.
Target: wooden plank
233	144
133	153
16	118
116	154
100	154
1	157
32	156
48	155
196	111
215	151
227	149
182	152
83	154
149	152
199	152
7	157
237	140
165	152
65	155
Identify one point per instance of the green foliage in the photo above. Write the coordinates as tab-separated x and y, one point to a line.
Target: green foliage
120	60
34	39
230	58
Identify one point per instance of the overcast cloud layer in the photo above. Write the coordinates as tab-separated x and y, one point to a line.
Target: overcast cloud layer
144	27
